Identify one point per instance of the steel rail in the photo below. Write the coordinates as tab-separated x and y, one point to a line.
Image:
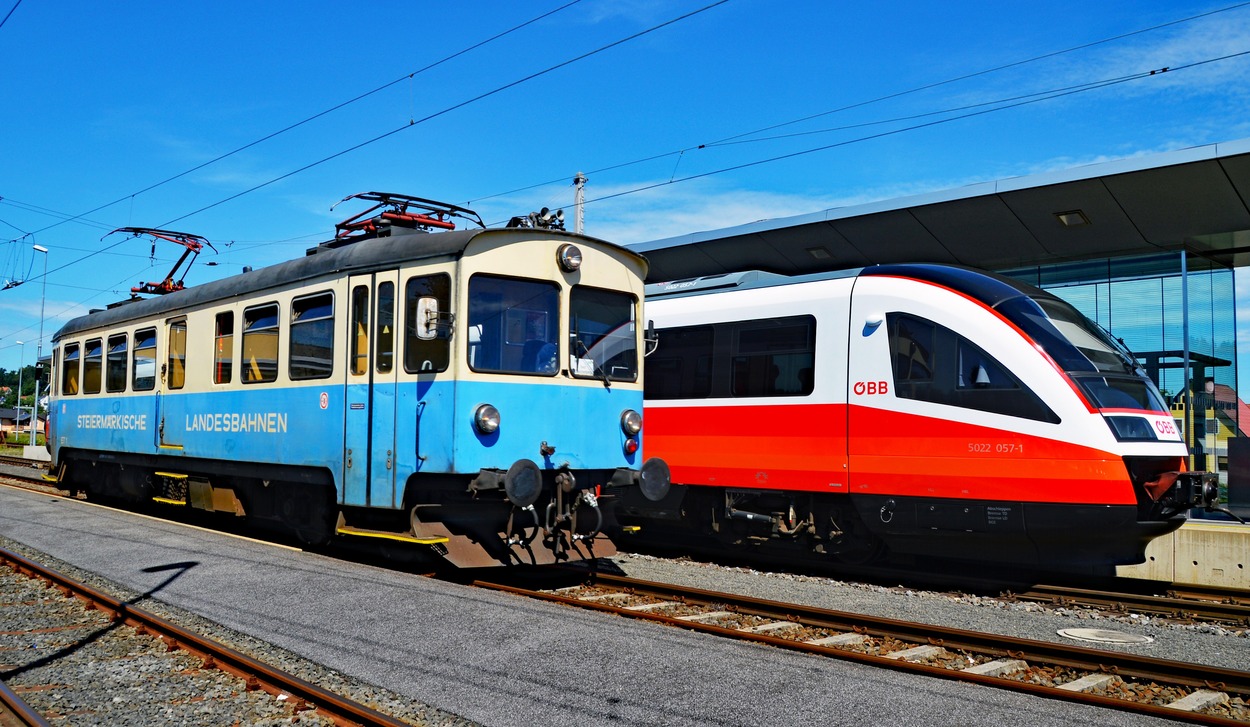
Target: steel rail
1077	657
1210	593
1196	604
19	709
256	674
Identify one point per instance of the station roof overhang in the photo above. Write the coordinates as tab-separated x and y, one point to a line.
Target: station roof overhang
1195	199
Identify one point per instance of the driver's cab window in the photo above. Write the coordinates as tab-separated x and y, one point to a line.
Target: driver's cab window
514	325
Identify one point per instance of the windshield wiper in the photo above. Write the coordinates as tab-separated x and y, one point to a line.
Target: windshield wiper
577	343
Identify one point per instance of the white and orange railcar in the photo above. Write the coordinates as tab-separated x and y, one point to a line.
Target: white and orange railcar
920	409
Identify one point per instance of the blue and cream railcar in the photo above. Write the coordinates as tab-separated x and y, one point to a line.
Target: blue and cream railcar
469	390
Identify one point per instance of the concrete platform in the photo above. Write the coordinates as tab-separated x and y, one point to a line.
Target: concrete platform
1205	552
505	661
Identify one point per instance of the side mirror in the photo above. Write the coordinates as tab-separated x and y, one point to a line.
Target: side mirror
427	318
651	340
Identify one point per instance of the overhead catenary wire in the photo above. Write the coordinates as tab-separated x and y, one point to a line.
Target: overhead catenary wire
336	107
1032	99
410	124
739	138
449	109
868	102
10	13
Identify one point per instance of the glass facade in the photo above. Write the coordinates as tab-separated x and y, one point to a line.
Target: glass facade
1167	309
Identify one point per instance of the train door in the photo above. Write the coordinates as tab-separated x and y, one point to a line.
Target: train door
884	438
369	431
170	406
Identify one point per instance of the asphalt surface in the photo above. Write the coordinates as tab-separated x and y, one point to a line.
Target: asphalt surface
493	658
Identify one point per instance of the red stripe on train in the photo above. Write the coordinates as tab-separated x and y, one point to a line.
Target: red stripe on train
805	447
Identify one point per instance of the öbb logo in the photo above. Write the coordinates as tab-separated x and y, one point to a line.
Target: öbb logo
871	388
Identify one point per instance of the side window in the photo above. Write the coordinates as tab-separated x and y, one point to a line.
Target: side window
69	370
176	366
427	313
911	348
223	348
144	373
384	335
933	363
260	344
681	367
774	357
978	370
312	336
54	376
92	366
116	364
359	342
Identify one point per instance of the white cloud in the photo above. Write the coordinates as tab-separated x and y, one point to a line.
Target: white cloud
1189	51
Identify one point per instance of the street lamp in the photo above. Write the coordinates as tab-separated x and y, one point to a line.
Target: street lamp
43	296
20	366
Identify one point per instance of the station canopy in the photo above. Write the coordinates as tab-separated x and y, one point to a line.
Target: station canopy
1195	199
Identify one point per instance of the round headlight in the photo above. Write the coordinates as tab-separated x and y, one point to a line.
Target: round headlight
631	422
486	419
570	258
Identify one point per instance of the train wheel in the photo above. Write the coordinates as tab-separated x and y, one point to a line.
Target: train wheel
860	550
310	513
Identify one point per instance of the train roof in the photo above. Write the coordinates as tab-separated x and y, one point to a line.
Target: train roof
370	254
989	288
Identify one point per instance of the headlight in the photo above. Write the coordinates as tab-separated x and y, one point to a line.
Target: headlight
1131	429
570	257
631	422
486	419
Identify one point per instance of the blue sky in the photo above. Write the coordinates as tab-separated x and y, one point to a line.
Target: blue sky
105	100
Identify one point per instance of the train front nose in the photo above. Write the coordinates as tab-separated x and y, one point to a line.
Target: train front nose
1185	490
1165	489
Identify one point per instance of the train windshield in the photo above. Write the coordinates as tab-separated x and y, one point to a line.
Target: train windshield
1104	369
603	342
514	325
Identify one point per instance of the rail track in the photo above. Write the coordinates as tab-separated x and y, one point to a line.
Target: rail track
1188	603
16	713
1158	687
299	695
1183	603
1163	688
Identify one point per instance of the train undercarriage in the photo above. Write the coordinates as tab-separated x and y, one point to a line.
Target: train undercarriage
861	529
449	519
761	522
